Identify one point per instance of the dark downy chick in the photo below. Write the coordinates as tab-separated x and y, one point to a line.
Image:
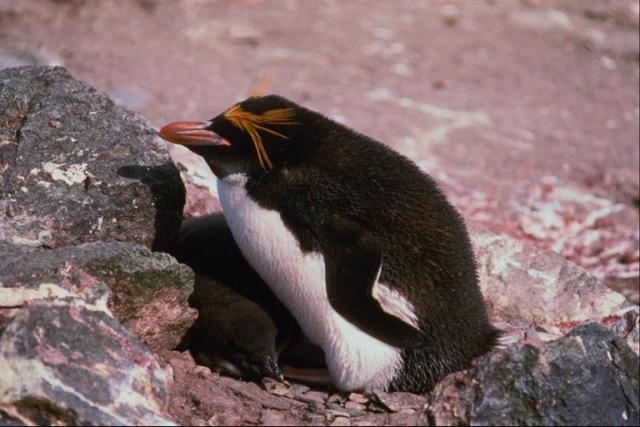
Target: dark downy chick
232	334
241	326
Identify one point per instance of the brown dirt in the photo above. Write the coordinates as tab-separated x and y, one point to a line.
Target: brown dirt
202	397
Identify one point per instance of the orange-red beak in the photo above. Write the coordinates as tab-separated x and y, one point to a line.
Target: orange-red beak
191	134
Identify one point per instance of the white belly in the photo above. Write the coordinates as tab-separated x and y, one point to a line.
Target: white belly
356	361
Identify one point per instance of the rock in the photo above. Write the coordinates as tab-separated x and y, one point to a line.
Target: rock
67	361
149	290
200	183
76	168
520	282
79	177
340	421
590	376
541	19
296	390
270	417
313	396
354	408
199	200
202	371
80	174
275	387
621	44
623	13
628	328
243	34
395	402
450	14
358	398
416	418
336	411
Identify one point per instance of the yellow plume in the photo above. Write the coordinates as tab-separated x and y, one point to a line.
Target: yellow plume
262	86
252	123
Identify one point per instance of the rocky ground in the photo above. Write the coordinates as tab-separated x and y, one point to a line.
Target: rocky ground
525	111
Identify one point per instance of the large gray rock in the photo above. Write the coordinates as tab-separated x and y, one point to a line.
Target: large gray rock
76	168
589	377
86	189
149	290
67	361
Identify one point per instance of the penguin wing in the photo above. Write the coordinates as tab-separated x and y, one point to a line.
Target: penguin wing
353	262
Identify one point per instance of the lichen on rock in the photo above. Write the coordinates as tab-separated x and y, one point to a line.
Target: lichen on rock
77	168
87	189
148	291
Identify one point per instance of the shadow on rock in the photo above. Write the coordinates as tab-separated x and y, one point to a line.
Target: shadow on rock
168	192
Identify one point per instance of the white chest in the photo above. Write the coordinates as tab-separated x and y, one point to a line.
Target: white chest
355	360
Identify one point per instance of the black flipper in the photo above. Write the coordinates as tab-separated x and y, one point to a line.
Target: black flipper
352	262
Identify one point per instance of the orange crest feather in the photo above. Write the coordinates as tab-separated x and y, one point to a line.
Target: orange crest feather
253	123
262	86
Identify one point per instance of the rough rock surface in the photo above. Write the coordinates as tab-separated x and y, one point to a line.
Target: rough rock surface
76	168
149	291
628	327
589	377
86	189
520	282
65	360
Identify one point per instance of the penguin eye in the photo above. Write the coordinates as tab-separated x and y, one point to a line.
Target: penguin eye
254	123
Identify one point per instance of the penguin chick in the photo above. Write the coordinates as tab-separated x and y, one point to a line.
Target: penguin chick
241	326
232	333
207	246
354	239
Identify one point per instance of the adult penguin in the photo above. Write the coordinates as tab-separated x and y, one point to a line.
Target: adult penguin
354	239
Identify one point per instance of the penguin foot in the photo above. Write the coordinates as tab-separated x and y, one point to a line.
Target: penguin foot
259	368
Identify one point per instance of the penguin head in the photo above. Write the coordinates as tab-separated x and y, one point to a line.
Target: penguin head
256	136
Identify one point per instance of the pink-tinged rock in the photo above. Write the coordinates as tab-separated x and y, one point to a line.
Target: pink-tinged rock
395	402
199	200
67	361
149	290
520	282
200	183
627	327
